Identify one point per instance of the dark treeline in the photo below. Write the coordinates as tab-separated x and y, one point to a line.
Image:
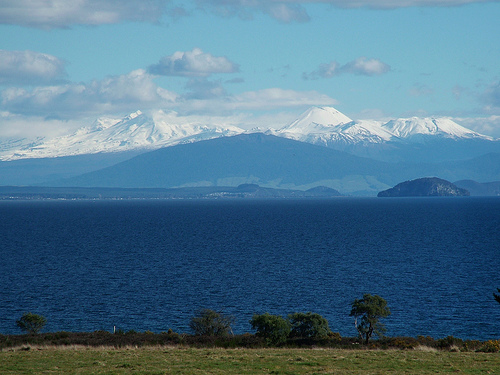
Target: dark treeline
212	328
140	339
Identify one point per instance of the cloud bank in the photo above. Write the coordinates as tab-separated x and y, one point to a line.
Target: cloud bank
137	90
63	13
360	66
74	100
294	10
28	67
194	63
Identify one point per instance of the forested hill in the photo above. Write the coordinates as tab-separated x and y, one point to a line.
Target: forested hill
424	187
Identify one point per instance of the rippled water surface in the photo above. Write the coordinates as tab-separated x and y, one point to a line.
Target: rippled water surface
150	265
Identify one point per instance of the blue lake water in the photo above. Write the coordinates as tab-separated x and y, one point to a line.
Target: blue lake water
151	265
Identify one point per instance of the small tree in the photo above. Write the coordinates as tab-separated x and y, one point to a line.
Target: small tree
497	296
31	323
273	328
211	323
308	325
370	309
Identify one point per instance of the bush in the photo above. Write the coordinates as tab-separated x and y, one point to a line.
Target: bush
490	346
308	325
273	328
31	323
449	342
211	323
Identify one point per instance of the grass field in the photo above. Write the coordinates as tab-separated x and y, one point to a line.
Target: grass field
179	360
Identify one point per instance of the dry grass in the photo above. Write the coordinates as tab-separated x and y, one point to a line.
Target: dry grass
425	348
183	360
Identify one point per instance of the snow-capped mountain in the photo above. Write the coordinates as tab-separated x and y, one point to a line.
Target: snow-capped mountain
408	139
316	120
441	127
400	139
327	126
131	133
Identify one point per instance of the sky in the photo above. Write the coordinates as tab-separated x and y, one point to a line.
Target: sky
248	63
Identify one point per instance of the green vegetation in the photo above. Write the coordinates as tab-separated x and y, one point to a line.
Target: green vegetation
211	323
308	325
370	309
307	346
31	323
181	360
273	328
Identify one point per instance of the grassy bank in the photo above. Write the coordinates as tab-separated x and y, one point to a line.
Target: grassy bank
181	360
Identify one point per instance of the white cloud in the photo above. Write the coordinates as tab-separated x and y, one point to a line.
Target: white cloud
360	66
273	98
28	67
261	100
20	126
111	95
287	13
484	125
294	11
419	90
137	90
367	67
201	88
195	63
491	98
390	4
64	13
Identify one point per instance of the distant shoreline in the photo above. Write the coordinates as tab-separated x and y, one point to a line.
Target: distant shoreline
217	192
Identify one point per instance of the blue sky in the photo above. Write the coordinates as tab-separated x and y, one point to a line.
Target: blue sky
247	62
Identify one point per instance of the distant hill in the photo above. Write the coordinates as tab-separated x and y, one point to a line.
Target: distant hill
425	187
485	189
322	147
273	162
255	158
217	192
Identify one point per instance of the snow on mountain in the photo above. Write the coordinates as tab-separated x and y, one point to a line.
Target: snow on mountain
324	126
327	126
135	131
316	120
442	127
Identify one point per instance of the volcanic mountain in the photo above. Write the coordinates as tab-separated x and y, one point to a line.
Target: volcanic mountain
409	139
135	132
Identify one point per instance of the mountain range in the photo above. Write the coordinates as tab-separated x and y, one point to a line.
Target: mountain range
322	147
135	132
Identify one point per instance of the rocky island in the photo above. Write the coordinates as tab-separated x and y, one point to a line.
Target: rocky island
425	187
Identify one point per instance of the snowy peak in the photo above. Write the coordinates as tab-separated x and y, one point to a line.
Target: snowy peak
316	120
133	132
442	127
328	127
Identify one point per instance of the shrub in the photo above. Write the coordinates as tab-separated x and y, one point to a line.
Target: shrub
31	323
308	325
211	323
490	346
273	328
449	342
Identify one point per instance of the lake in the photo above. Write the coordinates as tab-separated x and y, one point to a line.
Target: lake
152	264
